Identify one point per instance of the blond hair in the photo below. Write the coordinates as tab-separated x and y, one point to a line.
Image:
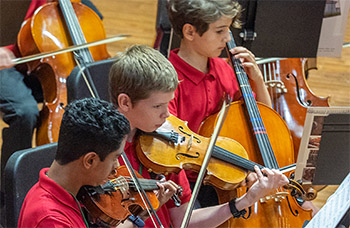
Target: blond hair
138	72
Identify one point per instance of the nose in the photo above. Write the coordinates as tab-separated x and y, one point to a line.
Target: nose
166	113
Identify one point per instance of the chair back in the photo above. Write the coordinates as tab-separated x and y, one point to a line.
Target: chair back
96	74
21	173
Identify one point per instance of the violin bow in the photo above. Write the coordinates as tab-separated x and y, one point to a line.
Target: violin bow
68	49
141	191
93	91
223	113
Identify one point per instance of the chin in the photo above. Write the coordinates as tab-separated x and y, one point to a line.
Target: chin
149	129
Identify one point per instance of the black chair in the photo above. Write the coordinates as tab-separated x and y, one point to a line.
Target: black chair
21	173
97	75
163	28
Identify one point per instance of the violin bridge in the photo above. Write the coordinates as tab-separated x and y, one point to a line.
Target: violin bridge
189	145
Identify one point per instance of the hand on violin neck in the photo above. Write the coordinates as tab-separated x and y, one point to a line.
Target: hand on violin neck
267	181
249	180
166	190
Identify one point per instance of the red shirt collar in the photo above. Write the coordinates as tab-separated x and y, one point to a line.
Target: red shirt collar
189	71
56	190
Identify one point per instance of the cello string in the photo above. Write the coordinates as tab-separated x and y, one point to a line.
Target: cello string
92	89
255	117
264	138
74	29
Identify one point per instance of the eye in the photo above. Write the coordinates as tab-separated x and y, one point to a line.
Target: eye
220	31
157	106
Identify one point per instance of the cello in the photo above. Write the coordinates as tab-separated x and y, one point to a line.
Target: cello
262	132
54	26
290	95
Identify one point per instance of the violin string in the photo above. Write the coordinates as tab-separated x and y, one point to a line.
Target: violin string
234	159
119	182
145	183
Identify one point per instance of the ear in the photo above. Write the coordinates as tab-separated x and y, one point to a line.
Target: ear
90	160
124	103
188	31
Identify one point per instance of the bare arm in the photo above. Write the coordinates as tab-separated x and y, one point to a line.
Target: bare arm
216	215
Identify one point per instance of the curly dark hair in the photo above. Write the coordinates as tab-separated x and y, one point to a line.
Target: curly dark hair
87	125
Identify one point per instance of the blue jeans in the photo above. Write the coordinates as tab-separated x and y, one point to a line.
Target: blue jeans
20	112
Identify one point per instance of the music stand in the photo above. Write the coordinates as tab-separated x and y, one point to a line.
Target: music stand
287	28
333	156
323	157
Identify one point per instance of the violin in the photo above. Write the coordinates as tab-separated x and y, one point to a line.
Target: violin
113	202
174	147
54	26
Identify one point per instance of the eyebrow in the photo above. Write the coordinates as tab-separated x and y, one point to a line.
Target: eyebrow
221	26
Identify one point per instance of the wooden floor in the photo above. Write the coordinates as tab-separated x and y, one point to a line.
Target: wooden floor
137	18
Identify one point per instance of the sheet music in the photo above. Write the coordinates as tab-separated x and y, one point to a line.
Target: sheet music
335	208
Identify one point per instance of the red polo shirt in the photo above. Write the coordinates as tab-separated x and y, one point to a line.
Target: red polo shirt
47	204
180	179
199	95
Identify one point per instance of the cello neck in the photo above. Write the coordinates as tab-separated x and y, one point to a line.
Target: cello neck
255	119
75	30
